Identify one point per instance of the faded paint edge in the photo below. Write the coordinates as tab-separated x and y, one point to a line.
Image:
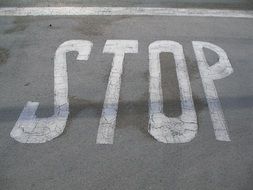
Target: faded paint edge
85	11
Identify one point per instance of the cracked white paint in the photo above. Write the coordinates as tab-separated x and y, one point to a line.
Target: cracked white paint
29	128
109	113
167	129
219	70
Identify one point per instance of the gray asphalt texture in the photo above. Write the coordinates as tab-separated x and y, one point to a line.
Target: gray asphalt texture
135	161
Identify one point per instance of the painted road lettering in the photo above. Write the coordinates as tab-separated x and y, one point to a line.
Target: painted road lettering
30	129
108	119
219	70
165	129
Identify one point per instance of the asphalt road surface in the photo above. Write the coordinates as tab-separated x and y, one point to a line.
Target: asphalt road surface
84	157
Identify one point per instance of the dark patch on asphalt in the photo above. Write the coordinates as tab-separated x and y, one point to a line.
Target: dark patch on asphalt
134	113
171	95
170	87
193	69
134	107
211	56
95	26
19	25
199	103
146	75
107	70
4	55
53	26
16	28
76	105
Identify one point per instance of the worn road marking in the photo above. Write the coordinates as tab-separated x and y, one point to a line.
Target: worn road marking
84	11
29	128
219	70
166	129
109	113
